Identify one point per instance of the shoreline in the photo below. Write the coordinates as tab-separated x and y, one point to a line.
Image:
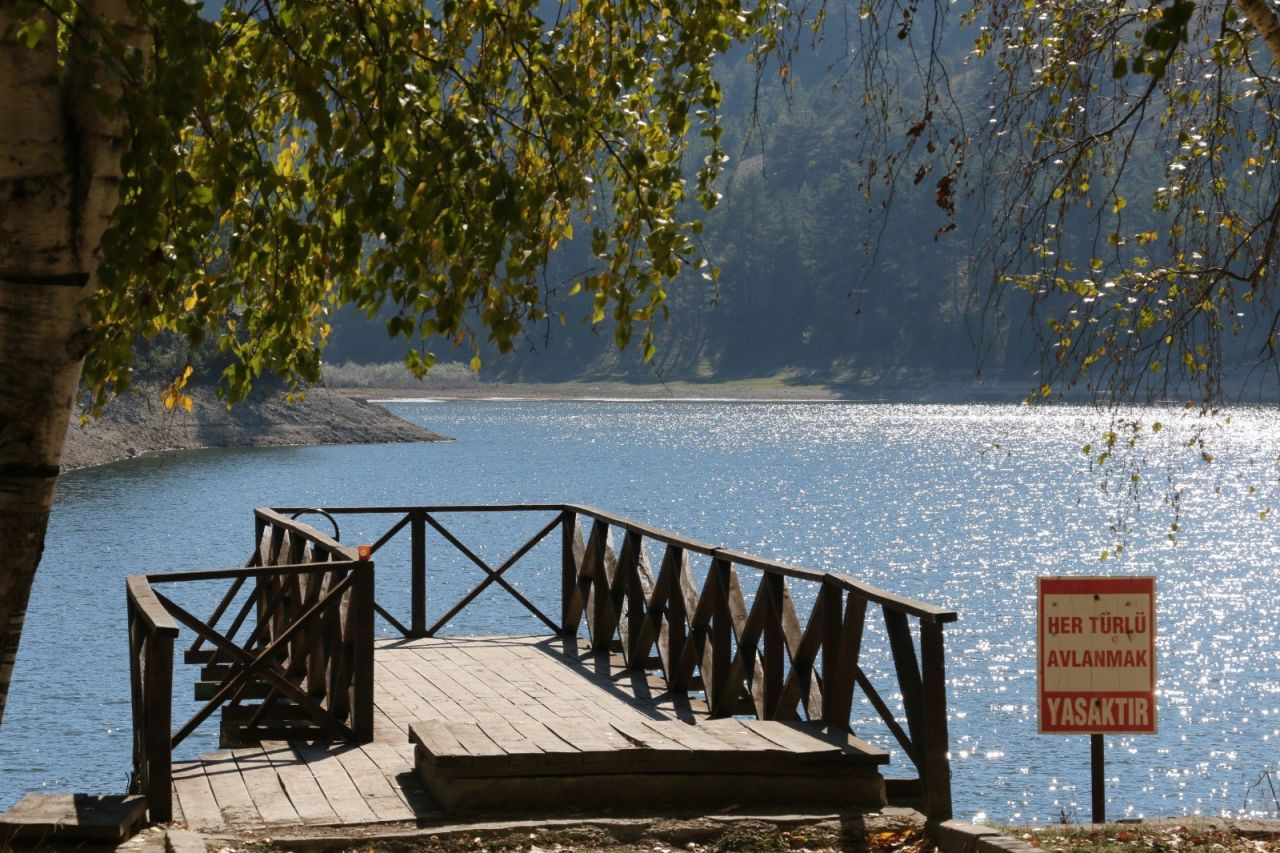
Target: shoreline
764	390
137	424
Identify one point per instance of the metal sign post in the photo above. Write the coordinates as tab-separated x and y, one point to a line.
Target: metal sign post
1097	662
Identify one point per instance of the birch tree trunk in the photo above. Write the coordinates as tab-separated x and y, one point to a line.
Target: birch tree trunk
1264	18
59	171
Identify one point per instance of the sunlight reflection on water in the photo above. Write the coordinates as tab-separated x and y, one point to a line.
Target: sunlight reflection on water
961	506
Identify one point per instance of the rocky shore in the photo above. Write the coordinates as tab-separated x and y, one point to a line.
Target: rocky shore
137	423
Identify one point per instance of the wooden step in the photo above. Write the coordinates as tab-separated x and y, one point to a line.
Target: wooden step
282	721
55	819
206	690
645	764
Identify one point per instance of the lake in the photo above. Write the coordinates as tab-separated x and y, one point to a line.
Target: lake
961	506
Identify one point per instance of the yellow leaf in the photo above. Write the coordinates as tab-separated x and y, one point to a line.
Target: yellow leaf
475	364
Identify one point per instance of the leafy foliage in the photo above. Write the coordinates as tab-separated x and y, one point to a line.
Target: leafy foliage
419	159
1120	160
1114	162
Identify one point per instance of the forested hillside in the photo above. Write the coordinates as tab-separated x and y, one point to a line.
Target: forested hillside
813	278
828	269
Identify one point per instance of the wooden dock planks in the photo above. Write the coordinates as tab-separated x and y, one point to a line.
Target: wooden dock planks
299	785
490	710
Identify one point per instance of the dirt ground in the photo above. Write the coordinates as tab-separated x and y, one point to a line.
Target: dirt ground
1190	835
1170	835
719	834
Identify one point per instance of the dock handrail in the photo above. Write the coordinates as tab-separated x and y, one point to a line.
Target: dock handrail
151	637
763	660
298	641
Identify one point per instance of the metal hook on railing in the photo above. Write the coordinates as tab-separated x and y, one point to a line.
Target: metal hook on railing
337	535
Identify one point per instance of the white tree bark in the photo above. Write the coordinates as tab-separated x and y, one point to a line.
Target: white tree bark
1262	15
59	171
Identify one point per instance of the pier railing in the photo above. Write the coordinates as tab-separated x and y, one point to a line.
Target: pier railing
288	651
764	659
152	632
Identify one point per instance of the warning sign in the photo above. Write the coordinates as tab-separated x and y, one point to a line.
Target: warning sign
1097	667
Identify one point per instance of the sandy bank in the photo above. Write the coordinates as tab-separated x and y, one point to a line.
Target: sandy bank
138	423
766	389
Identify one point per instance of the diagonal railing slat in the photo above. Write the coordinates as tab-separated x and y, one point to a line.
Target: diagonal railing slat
308	650
493	575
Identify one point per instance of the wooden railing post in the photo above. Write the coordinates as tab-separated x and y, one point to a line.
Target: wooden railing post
570	612
362	652
151	637
935	767
909	680
600	618
418	572
722	693
833	711
158	695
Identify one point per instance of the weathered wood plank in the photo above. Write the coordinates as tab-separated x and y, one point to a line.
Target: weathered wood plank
512	740
435	736
547	740
191	789
549	795
593	740
691	737
793	739
736	734
342	793
473	739
395	760
234	801
299	784
263	785
378	793
55	820
489	711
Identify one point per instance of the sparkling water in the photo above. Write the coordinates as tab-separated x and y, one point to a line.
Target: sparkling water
960	506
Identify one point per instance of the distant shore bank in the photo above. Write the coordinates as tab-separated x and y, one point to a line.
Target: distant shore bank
769	389
137	423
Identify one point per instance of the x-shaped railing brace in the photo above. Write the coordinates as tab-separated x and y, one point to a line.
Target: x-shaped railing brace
493	575
262	665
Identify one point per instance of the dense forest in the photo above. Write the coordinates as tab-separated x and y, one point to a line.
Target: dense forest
815	277
833	269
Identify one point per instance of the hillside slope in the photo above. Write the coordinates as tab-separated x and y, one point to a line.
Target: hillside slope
138	423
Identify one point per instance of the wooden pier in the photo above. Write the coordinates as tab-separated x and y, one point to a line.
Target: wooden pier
683	693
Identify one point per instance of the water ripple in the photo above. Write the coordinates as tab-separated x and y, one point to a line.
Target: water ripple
958	505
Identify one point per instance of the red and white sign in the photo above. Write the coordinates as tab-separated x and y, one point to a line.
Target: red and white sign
1097	667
